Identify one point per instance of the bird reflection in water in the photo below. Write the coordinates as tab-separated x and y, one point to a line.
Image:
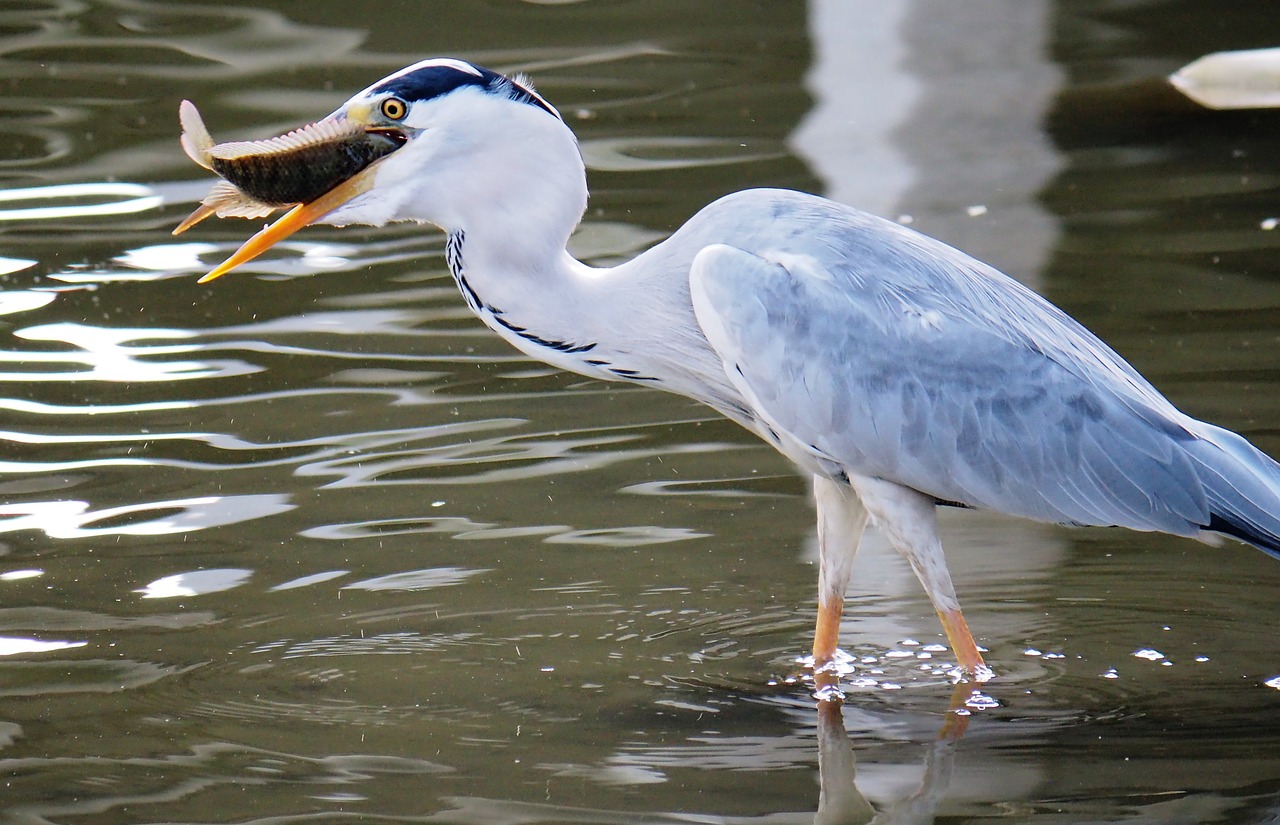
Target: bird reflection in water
840	802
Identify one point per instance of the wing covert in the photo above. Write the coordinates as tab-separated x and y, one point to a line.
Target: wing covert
963	393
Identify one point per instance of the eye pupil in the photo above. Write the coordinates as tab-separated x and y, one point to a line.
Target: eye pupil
393	108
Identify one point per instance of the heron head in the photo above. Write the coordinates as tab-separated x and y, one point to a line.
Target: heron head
453	141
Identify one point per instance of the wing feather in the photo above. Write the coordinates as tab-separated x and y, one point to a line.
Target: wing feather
900	358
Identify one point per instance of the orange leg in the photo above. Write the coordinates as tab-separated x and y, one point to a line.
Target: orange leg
909	521
826	635
841	519
963	645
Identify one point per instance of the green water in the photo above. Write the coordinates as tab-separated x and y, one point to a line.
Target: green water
309	544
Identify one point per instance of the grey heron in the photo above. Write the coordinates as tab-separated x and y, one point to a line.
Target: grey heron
897	372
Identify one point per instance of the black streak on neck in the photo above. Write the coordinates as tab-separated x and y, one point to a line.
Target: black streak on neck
453	258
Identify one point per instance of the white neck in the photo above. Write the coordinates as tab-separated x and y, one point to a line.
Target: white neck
509	195
633	322
507	234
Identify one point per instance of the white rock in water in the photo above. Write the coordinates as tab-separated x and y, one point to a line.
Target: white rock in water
1247	79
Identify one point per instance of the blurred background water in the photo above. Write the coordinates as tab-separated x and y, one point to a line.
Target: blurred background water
310	544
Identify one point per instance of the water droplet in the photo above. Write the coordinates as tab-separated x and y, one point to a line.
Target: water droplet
829	693
841	664
981	701
1149	654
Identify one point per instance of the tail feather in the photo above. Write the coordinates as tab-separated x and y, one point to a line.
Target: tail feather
1242	487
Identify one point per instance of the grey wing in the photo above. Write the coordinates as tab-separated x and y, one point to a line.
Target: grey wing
942	375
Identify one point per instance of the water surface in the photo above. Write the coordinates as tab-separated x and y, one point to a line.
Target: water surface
311	544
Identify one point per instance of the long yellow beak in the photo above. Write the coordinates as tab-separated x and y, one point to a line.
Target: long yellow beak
304	214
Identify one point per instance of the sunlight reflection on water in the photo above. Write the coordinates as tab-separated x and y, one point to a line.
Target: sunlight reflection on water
68	519
195	583
126	198
103	350
313	544
10	646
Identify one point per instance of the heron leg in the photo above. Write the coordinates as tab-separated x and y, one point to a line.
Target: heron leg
962	644
841	519
909	521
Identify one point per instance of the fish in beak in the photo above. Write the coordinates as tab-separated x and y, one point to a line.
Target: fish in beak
313	170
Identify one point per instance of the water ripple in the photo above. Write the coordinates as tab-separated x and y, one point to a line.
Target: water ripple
648	154
23	300
68	519
416	580
396	644
105	199
195	583
496	459
465	529
102	351
51	677
167	42
58	619
179	783
417	544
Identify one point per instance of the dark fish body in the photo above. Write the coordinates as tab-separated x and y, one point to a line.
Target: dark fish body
261	176
303	172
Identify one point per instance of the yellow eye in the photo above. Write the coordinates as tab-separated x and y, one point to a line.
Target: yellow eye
393	108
